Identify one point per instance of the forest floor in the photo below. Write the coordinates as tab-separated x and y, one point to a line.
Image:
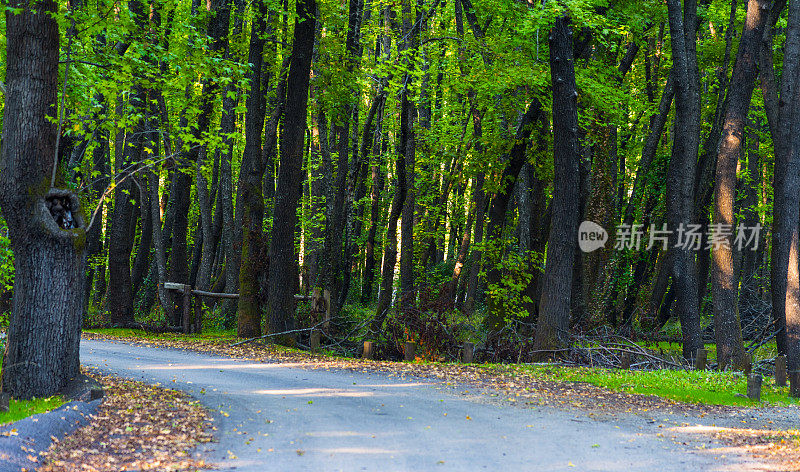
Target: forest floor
768	432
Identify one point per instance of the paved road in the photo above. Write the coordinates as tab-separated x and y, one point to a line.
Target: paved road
281	417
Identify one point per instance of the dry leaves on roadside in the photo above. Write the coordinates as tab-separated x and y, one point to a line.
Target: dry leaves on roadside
137	427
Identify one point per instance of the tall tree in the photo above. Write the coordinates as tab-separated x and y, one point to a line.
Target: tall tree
251	181
554	306
786	211
283	269
41	353
730	348
680	179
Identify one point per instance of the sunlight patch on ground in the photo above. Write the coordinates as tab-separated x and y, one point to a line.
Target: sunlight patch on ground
217	366
317	392
339	434
358	450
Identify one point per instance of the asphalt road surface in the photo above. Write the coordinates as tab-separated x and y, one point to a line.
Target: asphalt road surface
282	417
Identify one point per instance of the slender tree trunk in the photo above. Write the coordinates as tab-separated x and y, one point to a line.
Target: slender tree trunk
283	260
251	183
141	262
786	206
730	348
375	213
554	306
390	251
680	180
119	297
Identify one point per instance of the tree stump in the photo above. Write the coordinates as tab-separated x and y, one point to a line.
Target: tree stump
700	359
410	351
368	350
314	341
780	371
625	362
467	353
754	387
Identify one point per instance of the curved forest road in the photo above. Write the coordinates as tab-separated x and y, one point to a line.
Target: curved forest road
280	417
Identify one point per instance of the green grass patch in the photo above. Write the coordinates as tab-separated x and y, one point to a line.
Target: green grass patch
690	386
225	335
767	351
19	409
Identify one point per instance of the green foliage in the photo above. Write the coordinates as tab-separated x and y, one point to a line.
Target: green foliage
517	272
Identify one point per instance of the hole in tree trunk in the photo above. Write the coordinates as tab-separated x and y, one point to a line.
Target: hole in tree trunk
62	207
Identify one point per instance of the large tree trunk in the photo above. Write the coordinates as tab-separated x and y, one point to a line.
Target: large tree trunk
554	306
730	348
41	353
786	216
283	260
680	179
119	296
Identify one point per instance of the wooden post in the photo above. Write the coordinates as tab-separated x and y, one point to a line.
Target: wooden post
410	351
314	341
780	371
625	362
700	360
187	309
754	387
368	348
198	315
467	353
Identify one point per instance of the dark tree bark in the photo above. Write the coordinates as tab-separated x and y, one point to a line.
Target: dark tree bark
730	348
786	209
141	262
554	306
283	260
41	353
251	185
680	179
119	296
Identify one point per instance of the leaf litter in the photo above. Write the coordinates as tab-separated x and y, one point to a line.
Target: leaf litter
137	427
